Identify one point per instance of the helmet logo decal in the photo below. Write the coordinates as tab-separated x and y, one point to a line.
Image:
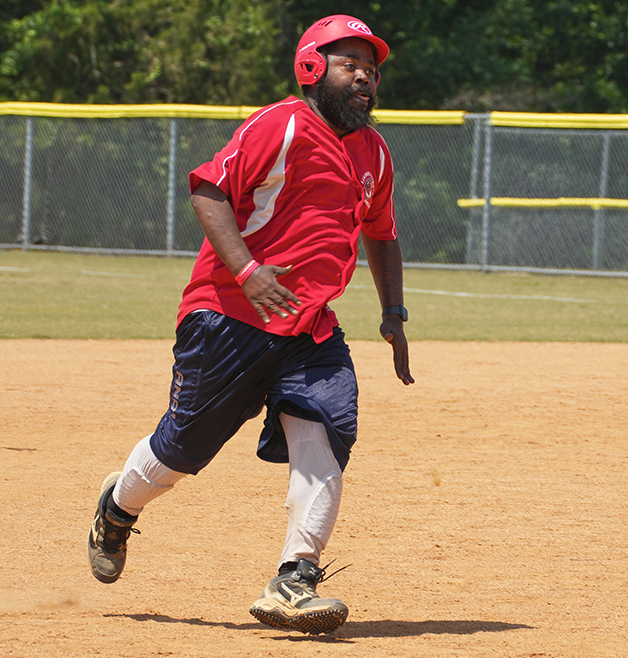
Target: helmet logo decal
359	27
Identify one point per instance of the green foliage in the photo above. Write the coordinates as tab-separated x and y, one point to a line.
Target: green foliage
476	55
142	51
481	55
204	51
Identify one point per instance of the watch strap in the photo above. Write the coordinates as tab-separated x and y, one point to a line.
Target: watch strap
401	311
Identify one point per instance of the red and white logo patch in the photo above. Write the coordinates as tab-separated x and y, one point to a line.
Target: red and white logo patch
368	187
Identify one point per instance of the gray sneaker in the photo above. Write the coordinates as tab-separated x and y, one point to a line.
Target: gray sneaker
290	602
106	547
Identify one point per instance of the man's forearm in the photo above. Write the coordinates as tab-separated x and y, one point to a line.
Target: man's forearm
385	262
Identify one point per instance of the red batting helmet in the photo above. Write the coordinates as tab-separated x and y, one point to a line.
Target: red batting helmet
310	65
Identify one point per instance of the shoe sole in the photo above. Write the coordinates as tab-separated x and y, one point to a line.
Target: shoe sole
313	623
108	483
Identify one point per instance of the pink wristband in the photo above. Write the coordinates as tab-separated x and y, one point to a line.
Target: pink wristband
246	271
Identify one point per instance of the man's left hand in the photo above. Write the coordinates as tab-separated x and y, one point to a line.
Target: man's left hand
391	330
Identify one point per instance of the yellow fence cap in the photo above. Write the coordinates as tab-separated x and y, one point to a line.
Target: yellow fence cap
558	202
419	117
540	120
87	111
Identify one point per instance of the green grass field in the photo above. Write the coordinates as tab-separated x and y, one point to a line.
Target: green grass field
66	295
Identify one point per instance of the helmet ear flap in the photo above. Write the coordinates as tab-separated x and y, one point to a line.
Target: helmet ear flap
310	67
378	77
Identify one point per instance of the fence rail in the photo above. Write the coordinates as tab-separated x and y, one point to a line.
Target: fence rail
491	192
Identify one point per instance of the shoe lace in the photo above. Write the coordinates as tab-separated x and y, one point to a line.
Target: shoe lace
322	575
115	536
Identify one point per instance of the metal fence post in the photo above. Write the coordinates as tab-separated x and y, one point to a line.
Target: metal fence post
28	177
486	209
172	174
473	185
598	213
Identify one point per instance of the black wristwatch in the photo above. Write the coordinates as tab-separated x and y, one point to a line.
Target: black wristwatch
401	311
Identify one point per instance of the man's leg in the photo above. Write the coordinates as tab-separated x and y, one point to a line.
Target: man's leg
314	492
290	600
122	497
219	364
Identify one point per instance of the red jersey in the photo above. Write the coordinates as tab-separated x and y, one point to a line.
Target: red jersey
301	195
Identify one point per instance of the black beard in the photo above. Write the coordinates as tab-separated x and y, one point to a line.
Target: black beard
334	106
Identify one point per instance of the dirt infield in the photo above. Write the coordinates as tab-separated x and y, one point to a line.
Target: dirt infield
484	510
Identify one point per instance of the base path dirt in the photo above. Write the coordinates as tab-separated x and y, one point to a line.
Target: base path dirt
484	511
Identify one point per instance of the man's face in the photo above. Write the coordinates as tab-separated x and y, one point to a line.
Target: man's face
348	92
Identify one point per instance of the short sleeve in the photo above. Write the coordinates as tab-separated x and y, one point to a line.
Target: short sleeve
246	159
379	222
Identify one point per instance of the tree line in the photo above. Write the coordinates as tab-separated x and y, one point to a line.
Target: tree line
473	55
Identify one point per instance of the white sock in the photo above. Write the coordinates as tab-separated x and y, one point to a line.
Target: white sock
143	479
314	491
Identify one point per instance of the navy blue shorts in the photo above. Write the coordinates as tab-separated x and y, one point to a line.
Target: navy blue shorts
224	373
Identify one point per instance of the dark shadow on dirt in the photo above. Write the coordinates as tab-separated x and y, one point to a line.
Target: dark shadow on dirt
392	628
355	629
194	621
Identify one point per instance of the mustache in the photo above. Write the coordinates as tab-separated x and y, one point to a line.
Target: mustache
357	89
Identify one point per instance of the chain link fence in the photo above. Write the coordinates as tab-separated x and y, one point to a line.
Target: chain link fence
482	191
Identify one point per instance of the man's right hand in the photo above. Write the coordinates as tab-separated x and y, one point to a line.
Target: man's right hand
264	292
